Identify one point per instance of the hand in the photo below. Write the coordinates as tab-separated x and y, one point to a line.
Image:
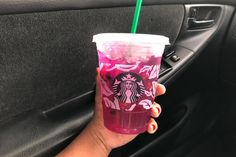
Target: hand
96	140
113	139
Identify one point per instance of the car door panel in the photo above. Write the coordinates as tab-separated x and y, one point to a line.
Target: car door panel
48	70
48	62
50	59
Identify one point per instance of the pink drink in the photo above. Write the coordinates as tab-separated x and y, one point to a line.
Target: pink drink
129	72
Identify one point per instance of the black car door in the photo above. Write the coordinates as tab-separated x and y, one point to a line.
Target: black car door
47	74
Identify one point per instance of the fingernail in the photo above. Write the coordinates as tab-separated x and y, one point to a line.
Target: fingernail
153	127
163	87
159	110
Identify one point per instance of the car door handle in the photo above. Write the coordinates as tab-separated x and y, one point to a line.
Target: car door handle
193	23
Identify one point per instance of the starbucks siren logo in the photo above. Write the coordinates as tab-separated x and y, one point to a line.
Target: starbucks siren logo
128	87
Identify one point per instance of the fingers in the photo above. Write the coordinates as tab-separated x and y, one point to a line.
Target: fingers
97	76
98	90
152	126
160	89
155	110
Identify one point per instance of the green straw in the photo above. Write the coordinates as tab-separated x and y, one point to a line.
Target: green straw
136	16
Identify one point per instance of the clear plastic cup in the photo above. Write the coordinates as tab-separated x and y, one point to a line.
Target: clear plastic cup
129	68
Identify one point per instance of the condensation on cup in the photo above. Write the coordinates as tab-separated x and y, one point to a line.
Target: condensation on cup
129	68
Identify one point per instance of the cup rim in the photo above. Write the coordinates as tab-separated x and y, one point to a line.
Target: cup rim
131	38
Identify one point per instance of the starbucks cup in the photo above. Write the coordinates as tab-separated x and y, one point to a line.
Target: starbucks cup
129	68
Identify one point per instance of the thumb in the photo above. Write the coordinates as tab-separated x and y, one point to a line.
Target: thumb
98	88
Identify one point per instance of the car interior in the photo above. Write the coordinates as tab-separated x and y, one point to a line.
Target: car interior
48	66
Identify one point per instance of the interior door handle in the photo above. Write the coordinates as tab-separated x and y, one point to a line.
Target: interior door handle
193	23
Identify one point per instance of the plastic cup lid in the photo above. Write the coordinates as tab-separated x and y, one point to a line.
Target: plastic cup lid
131	38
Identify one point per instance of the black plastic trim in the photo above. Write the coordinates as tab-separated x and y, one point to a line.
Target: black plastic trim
18	6
190	43
196	40
185	57
190	105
